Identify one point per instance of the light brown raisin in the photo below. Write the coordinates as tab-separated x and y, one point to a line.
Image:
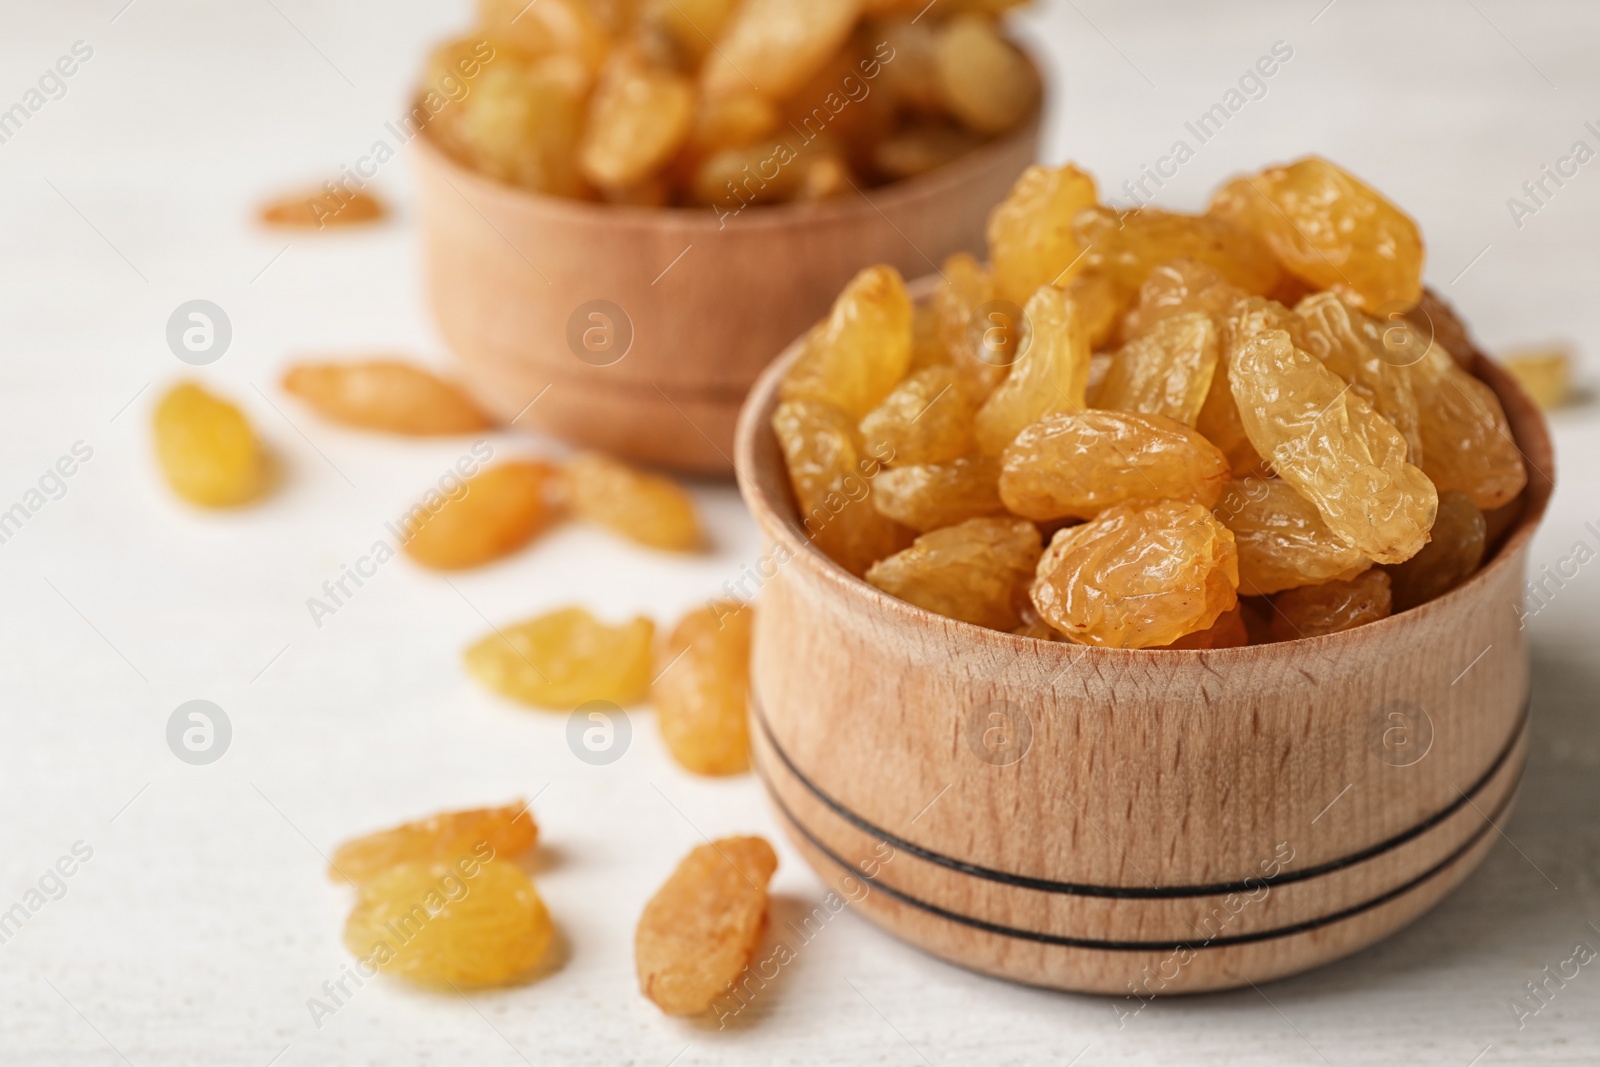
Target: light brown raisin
969	571
1078	464
1283	542
1460	536
702	926
926	497
385	395
1138	576
702	679
1328	608
509	831
495	513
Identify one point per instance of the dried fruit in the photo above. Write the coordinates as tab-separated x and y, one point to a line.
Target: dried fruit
1460	535
1331	229
1127	246
522	119
385	395
206	448
1179	288
832	476
467	923
1138	576
642	507
566	658
508	831
1466	441
1101	304
701	928
702	678
639	116
1031	242
777	45
488	516
986	81
970	571
982	349
693	25
549	26
1317	610
1166	371
854	357
1078	464
1331	446
323	207
1282	541
1050	374
927	418
1545	374
1348	344
929	496
1229	631
918	149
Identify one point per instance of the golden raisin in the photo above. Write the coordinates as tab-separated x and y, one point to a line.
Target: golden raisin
926	497
568	26
1127	246
522	120
1545	374
206	448
832	476
1138	576
385	395
854	357
566	658
1166	371
639	116
466	923
1219	416
702	678
1328	608
969	571
642	507
777	45
492	515
509	831
1347	342
919	148
693	25
981	350
986	81
702	926
1179	288
1466	440
1050	374
1331	229
1229	631
320	208
926	419
1460	535
1331	446
1101	304
1282	541
1078	464
1031	242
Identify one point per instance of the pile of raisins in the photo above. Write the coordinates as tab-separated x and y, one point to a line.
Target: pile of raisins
725	103
1149	429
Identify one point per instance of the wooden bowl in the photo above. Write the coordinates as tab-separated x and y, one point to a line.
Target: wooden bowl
517	279
1134	822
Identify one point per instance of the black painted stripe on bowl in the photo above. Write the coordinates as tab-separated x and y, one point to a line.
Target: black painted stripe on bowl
1047	885
1152	946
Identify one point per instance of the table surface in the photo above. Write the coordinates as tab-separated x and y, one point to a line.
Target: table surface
200	925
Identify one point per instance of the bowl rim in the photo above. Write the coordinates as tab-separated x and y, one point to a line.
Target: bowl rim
907	192
1530	431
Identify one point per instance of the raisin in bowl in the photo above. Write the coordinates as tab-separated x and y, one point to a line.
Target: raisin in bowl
1127	821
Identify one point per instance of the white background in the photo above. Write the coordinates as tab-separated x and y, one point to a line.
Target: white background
203	922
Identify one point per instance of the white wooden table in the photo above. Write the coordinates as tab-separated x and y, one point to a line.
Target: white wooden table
200	925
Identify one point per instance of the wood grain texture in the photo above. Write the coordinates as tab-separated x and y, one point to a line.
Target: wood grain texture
1174	821
710	301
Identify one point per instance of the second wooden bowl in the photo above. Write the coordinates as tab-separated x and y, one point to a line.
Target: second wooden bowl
648	326
1134	822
